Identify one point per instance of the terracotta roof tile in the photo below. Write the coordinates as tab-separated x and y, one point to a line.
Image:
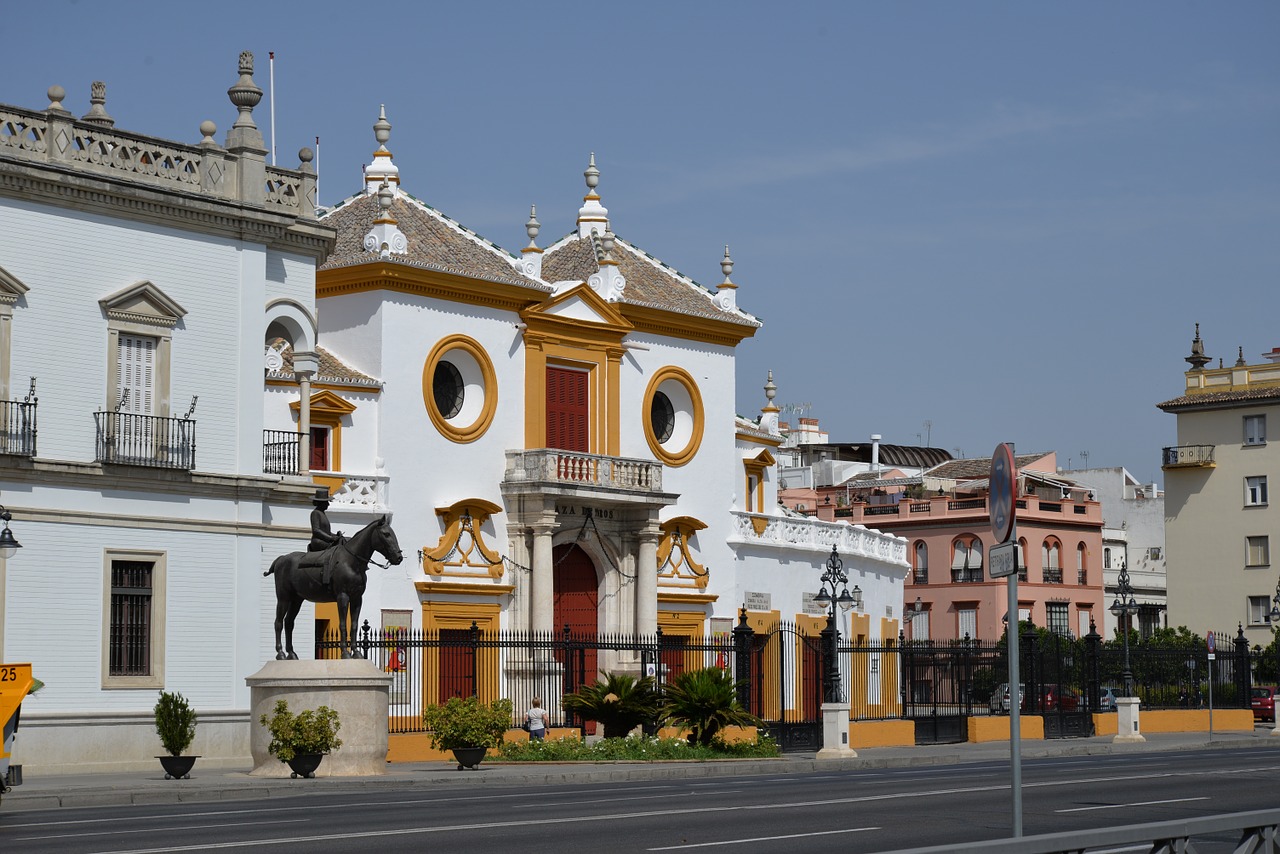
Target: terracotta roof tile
332	369
976	468
649	282
1220	398
436	242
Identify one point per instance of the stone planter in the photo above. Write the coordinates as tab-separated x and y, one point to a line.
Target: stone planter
305	764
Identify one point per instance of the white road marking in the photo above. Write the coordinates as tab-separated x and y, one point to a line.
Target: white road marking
115	831
764	838
543	803
1134	804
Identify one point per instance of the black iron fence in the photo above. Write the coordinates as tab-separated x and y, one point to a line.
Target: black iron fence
280	449
125	438
18	427
779	672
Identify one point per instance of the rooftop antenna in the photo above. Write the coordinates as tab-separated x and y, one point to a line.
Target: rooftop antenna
271	58
1084	455
928	432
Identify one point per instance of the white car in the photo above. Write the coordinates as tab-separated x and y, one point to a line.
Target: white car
1000	700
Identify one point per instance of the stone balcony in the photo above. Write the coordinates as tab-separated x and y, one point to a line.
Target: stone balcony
1187	456
595	477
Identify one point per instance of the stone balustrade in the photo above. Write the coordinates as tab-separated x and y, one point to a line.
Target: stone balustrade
791	532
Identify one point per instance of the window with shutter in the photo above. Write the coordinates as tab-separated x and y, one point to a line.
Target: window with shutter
320	449
567	410
136	372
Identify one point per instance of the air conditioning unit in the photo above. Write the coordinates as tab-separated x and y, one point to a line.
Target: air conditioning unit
1155	553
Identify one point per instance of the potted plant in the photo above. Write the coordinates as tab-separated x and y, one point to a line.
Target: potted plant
620	702
303	739
467	727
176	726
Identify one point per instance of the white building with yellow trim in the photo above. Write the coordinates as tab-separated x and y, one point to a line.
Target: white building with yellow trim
555	434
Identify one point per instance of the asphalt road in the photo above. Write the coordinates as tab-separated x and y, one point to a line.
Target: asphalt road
841	811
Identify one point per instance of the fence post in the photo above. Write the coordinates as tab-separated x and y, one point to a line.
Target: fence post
1244	687
1093	670
566	678
364	638
657	664
743	637
1030	671
475	659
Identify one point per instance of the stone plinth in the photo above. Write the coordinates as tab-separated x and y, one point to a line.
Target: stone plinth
354	688
835	732
1127	728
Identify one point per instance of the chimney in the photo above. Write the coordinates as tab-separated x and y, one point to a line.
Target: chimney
875	452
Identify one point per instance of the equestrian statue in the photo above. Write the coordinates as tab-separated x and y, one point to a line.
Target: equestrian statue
333	569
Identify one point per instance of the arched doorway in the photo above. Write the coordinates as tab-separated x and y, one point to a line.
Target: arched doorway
577	601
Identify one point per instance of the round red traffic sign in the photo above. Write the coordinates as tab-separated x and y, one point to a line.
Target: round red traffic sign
1003	484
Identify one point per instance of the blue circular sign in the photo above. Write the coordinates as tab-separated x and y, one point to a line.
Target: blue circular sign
1003	484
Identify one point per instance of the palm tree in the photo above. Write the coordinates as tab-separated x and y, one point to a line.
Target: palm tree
705	701
619	703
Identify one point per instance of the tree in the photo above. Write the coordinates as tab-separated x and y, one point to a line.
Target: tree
705	701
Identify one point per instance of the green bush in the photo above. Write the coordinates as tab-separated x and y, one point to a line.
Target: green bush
467	723
619	703
634	749
310	731
175	723
705	702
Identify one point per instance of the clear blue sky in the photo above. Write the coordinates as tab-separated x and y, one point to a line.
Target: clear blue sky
1003	218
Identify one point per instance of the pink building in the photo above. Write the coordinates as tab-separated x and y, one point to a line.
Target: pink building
943	513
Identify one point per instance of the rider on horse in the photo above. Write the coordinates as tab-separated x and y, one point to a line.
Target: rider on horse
322	535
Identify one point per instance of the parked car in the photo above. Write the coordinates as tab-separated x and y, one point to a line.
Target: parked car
1000	702
1264	703
1053	698
1107	699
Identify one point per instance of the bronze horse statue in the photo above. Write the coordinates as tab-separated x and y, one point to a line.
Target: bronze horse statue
348	562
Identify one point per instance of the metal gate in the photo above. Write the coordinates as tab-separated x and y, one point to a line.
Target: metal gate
1059	683
938	689
784	679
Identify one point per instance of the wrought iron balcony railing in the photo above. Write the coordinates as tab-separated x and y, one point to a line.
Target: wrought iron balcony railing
1052	575
125	438
966	576
18	427
280	449
1181	456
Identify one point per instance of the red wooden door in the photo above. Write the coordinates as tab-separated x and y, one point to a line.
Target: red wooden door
567	413
577	602
320	449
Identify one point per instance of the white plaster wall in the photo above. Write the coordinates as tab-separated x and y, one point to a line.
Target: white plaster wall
351	327
60	334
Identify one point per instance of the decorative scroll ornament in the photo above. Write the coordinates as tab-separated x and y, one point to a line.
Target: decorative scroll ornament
676	565
462	549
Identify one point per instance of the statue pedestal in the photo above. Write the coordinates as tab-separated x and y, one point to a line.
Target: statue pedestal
1127	727
835	732
354	688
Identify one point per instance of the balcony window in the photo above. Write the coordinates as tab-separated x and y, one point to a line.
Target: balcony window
966	560
1259	551
1255	429
1057	618
1255	491
920	559
1050	556
1082	575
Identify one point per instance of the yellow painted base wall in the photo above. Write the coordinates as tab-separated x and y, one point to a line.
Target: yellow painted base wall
1195	720
416	746
882	734
997	728
730	735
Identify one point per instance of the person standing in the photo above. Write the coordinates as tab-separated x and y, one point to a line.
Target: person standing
536	718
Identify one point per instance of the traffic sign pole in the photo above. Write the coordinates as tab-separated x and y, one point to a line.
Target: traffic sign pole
1001	494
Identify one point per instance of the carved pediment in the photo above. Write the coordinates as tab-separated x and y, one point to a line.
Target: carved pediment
143	302
11	287
578	305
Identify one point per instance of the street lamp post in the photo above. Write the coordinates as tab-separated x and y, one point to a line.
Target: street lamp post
829	598
1275	622
1125	605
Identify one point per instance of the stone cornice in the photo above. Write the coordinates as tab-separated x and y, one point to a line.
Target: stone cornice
657	321
51	185
408	279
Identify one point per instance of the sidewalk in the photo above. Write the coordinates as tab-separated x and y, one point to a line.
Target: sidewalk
89	790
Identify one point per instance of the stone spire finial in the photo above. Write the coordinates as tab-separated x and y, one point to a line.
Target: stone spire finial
245	95
726	266
97	111
1240	362
386	238
606	246
531	228
56	94
1197	358
207	130
592	216
770	392
382	170
769	413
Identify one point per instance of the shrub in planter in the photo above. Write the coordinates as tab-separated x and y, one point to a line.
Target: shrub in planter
467	722
309	732
619	703
176	726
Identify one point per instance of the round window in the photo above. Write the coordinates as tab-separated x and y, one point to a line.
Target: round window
662	417
448	389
